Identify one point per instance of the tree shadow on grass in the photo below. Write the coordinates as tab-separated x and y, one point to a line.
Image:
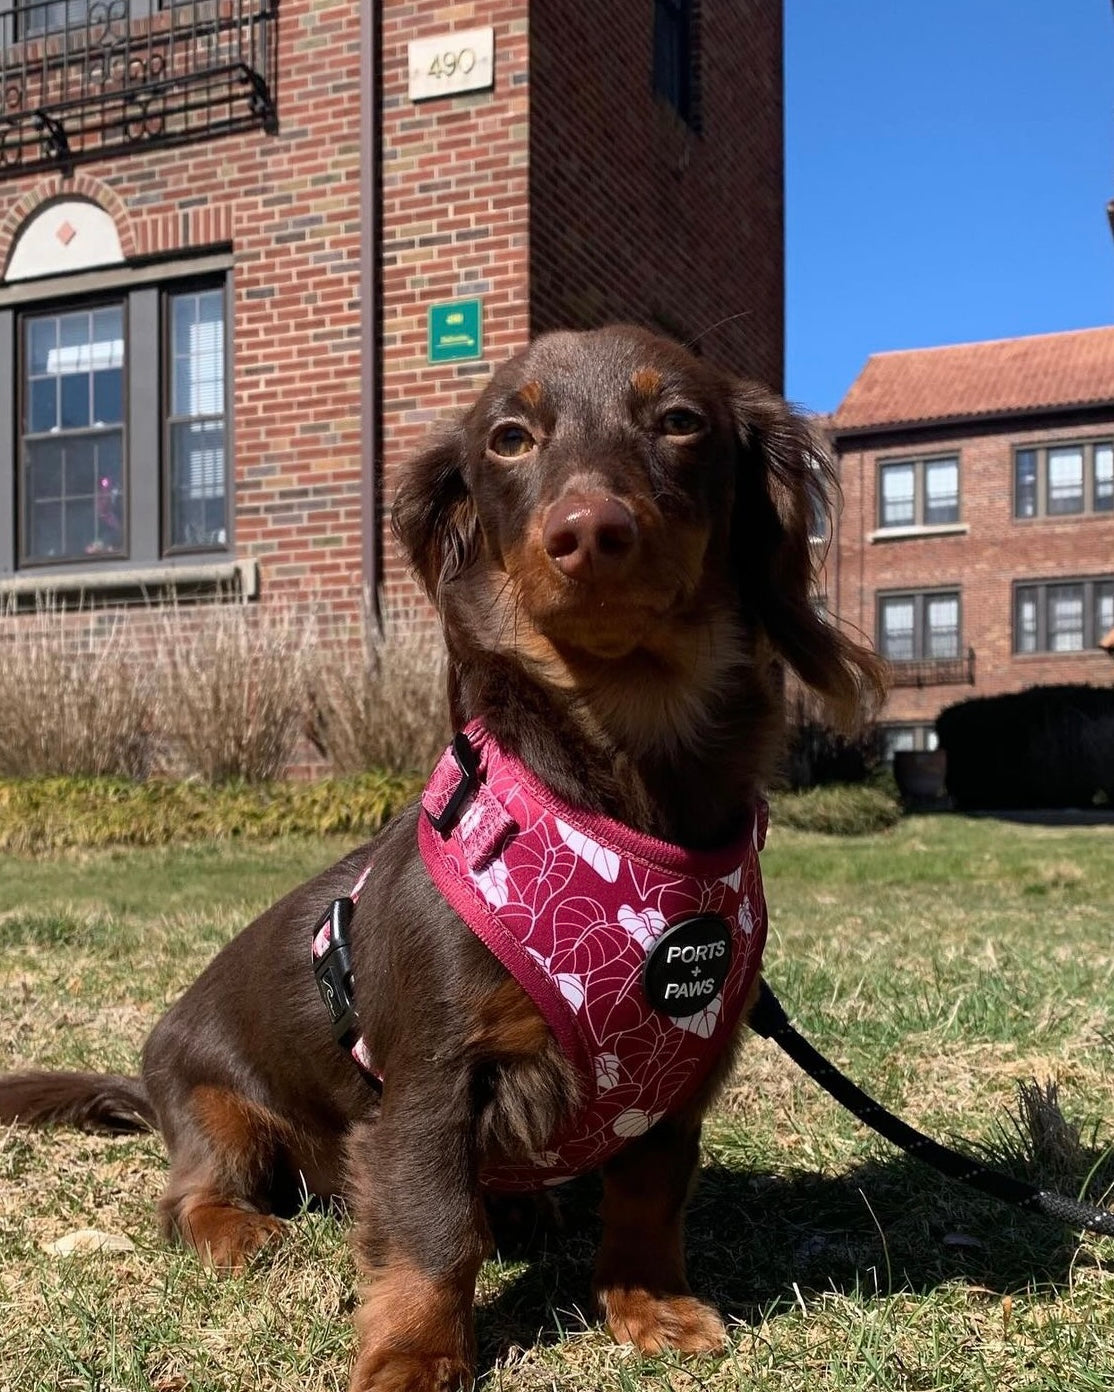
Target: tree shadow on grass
889	1224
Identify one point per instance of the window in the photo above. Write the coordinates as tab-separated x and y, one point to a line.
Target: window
906	737
37	18
1063	480
34	18
675	57
916	627
120	451
71	468
919	492
1062	616
195	451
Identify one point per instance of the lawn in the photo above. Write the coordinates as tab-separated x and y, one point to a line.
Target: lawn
941	963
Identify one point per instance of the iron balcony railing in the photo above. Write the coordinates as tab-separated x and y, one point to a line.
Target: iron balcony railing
82	78
934	671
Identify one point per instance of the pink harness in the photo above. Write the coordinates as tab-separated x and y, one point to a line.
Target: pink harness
638	954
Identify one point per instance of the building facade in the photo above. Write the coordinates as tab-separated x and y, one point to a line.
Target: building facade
249	252
975	549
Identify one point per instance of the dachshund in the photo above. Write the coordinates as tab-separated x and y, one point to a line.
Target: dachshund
616	537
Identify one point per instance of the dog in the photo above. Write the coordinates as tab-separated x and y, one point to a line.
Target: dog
616	539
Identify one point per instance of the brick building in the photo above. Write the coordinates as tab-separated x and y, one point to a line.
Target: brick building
976	543
233	235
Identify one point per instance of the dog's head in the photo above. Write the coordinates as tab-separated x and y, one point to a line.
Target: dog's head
612	503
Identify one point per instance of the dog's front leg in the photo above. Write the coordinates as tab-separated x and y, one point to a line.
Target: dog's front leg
420	1235
640	1278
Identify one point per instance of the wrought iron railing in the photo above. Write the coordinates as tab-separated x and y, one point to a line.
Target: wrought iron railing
934	671
81	78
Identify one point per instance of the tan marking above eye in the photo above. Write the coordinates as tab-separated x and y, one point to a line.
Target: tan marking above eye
531	394
646	381
511	441
681	423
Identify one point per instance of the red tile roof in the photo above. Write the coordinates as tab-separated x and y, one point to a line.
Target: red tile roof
979	379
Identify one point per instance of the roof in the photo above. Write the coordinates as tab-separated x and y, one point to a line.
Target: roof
1004	376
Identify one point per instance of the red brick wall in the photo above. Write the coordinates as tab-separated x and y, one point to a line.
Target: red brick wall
455	224
568	195
983	563
635	215
289	206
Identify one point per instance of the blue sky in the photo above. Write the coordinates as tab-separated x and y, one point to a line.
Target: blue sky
948	167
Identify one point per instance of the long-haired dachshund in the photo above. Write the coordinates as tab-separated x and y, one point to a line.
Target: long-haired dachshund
616	537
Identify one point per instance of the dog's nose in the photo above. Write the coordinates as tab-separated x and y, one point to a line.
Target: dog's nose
590	536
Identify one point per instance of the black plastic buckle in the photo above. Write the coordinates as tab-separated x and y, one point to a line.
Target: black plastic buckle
333	970
469	767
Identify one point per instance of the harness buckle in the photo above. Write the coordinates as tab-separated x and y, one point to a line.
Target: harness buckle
333	969
467	763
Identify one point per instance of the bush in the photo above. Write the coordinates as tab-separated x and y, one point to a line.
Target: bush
73	699
848	810
1050	746
819	755
50	814
233	687
381	703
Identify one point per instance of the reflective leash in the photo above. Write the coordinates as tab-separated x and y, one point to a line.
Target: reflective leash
769	1019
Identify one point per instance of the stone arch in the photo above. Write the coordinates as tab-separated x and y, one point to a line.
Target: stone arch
84	188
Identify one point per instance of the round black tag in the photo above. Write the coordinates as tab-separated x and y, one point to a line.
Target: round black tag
688	965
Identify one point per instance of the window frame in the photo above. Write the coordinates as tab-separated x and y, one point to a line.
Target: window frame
920	464
146	461
166	421
13	19
675	75
925	739
1042	449
1092	587
25	563
920	600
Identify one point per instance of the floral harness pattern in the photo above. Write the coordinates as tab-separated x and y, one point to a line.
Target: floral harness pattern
575	906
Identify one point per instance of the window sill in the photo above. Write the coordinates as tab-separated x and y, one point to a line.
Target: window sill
906	533
1075	653
135	584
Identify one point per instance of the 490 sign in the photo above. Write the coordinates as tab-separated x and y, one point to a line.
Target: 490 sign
445	64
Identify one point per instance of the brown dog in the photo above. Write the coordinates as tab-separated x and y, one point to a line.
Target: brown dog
616	537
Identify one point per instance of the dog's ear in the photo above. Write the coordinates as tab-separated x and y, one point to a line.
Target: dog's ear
434	516
785	489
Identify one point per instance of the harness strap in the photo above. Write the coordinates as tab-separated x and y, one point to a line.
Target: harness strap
332	968
769	1019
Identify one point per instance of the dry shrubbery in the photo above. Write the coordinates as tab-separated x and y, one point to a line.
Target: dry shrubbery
233	689
381	703
222	692
73	698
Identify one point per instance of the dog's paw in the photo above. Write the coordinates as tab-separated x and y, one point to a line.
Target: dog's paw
654	1323
377	1370
226	1238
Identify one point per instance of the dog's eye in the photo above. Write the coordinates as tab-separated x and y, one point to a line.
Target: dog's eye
681	422
510	441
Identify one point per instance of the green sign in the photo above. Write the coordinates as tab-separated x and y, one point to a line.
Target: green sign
456	331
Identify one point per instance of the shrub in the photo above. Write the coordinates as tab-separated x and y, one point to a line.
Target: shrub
819	755
1050	746
847	810
381	702
233	681
50	814
73	698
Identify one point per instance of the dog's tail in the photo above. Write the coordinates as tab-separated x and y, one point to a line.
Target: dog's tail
90	1101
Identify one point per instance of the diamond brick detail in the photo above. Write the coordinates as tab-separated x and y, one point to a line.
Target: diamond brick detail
66	233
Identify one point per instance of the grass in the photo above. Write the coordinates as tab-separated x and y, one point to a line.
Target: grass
942	963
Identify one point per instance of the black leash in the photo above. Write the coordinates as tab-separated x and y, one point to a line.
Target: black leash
769	1019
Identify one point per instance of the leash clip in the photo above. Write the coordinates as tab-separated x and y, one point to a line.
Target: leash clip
332	969
467	763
